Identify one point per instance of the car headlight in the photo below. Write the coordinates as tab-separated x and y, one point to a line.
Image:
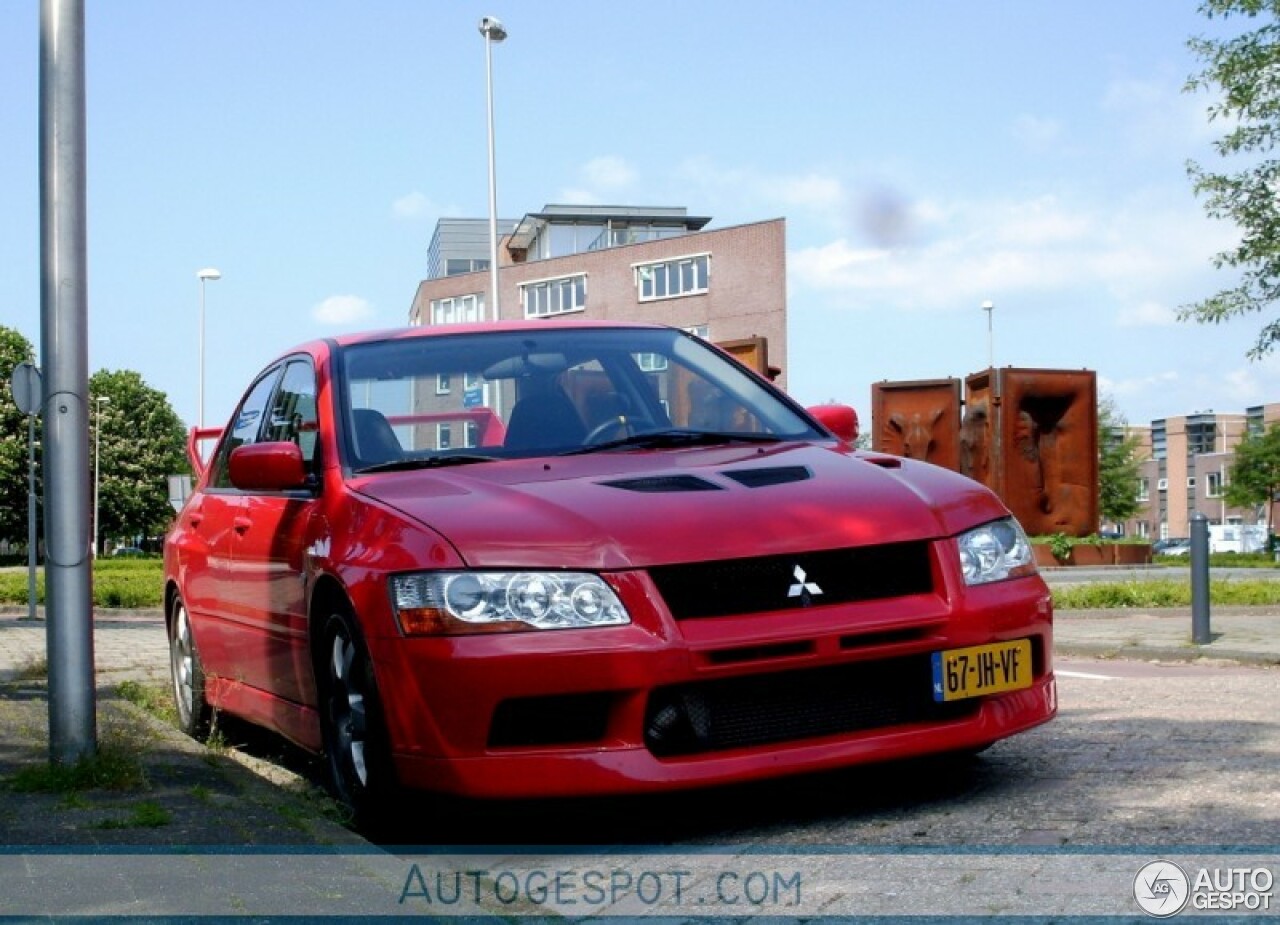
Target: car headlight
454	603
994	552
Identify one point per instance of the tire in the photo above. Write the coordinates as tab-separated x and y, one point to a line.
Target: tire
195	716
357	754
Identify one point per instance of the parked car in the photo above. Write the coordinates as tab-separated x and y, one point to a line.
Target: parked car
1173	546
127	552
538	559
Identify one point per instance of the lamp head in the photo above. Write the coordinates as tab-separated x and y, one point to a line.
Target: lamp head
988	305
209	273
491	29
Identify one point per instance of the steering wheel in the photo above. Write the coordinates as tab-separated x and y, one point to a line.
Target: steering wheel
607	428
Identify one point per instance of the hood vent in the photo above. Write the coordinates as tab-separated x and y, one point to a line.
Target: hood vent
762	478
664	483
885	462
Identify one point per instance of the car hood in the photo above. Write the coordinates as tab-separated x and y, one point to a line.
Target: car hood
636	509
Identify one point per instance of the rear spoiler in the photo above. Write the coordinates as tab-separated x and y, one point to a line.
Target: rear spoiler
197	438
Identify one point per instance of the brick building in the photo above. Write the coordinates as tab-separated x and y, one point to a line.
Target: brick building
621	264
1187	465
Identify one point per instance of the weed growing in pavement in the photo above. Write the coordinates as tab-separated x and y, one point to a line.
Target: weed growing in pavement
33	668
146	815
114	766
153	698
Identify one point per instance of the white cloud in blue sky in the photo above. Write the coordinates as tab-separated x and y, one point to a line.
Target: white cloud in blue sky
342	311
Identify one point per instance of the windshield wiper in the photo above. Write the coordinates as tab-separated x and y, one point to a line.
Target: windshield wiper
669	439
428	462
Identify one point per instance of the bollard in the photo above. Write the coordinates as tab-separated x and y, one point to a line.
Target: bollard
1200	580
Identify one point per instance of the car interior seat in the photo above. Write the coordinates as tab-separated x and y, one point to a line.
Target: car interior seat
544	418
375	441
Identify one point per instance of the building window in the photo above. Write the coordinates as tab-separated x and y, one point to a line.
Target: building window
444	436
1191	481
651	362
1143	529
461	309
554	296
678	277
1162	485
442	383
1214	486
1144	489
699	330
470	434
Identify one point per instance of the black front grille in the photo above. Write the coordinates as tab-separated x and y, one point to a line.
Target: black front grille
743	586
764	709
764	478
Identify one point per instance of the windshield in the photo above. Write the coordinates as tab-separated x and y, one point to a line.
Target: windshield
473	397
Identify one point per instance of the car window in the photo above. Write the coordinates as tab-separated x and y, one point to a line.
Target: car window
507	394
245	427
293	412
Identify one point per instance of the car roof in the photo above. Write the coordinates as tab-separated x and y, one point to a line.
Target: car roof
442	330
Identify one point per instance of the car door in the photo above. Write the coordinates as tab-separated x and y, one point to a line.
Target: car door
213	592
271	537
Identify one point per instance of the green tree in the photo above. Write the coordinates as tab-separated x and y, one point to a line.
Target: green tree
1243	73
1255	473
142	442
14	349
1119	467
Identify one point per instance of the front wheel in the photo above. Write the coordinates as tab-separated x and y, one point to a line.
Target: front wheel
195	716
355	741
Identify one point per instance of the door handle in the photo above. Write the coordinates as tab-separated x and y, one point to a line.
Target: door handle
241	524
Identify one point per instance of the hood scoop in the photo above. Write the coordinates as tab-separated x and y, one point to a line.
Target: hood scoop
763	478
658	484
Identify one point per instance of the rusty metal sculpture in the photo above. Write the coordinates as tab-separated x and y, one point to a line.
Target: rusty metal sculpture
1031	435
919	420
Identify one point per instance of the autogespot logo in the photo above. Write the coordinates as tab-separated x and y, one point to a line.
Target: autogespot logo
1161	889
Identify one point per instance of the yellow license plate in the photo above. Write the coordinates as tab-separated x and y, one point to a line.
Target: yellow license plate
981	670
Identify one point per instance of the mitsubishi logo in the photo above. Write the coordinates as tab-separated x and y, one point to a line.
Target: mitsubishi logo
803	589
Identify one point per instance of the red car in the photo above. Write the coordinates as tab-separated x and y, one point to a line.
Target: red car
542	558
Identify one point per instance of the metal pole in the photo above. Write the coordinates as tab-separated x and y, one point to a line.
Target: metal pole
64	338
1200	634
200	399
989	307
31	516
97	476
492	31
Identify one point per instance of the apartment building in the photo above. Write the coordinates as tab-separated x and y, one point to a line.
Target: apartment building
1186	468
622	263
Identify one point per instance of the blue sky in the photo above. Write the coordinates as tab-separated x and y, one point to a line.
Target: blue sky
926	156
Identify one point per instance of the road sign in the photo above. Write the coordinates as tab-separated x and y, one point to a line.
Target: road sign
28	391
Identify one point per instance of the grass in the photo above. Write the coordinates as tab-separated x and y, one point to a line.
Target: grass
125	583
114	766
145	815
1163	593
153	698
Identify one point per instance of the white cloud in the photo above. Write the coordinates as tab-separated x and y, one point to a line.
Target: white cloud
1153	114
1146	315
342	310
1137	254
414	205
1124	388
608	177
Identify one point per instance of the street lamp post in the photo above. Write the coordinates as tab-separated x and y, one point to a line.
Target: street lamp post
206	275
99	401
492	31
989	307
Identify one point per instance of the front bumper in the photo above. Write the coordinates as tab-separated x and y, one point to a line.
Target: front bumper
573	712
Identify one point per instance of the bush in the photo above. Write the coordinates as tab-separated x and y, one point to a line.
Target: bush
128	583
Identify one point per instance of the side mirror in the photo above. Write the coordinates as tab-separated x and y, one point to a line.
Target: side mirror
267	467
841	420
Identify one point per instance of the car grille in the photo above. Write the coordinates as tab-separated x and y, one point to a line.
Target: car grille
763	709
756	585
